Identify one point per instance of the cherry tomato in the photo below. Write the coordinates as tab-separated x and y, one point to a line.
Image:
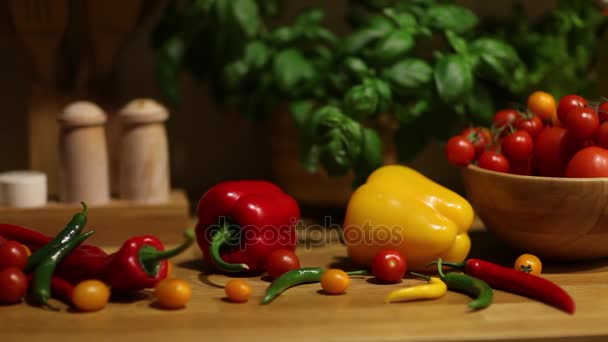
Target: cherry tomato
602	111
543	105
567	103
582	122
334	281
281	261
480	137
237	290
13	285
90	295
505	117
601	137
553	148
459	151
172	293
533	125
12	254
2	240
522	168
518	146
491	160
389	266
528	263
589	162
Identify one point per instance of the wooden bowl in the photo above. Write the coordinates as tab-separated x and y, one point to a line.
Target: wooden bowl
555	218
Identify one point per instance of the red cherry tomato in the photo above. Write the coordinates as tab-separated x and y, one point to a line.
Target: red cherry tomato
389	266
12	254
459	151
480	137
533	125
553	148
505	117
582	122
602	111
567	103
281	261
601	136
13	285
518	146
589	162
494	161
2	240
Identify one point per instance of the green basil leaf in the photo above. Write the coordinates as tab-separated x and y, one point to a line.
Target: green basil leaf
282	36
234	75
370	158
456	42
356	66
385	94
393	46
361	101
453	78
376	28
246	15
406	20
291	69
409	75
257	54
495	60
448	17
407	114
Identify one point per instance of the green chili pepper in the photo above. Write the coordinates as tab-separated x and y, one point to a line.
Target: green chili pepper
43	274
73	228
476	288
295	277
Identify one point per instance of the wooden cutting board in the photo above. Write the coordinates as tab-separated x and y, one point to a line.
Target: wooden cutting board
303	313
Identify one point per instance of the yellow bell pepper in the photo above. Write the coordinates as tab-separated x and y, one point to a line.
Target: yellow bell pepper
399	208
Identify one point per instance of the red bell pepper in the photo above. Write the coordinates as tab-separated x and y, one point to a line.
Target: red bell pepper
241	222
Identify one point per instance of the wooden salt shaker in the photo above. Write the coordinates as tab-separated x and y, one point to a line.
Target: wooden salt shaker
144	152
83	156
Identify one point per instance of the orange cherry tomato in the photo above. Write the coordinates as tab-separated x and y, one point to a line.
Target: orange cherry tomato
90	295
237	290
173	293
529	263
334	281
544	105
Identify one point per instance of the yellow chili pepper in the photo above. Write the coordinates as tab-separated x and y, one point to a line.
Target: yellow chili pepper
434	289
399	208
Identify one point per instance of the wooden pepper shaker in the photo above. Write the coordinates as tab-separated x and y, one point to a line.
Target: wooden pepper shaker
83	155
144	152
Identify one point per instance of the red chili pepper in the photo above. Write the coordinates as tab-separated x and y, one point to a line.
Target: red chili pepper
60	288
521	283
241	222
140	263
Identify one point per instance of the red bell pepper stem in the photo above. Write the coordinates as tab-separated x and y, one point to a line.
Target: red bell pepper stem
150	257
521	283
222	236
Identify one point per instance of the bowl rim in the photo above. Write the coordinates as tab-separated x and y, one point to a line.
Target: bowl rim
475	168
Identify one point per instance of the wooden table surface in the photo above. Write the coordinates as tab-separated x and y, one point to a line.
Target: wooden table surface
304	313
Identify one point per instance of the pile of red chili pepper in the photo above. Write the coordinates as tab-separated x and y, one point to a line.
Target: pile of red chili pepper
37	267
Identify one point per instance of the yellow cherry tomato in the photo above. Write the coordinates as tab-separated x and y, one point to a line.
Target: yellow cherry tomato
90	295
172	293
335	281
543	104
237	290
529	263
